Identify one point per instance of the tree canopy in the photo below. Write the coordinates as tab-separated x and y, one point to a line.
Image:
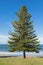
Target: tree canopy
23	38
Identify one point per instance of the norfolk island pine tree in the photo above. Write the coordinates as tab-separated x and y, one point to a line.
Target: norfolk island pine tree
23	38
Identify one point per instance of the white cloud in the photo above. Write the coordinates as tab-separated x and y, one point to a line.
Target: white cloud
3	39
41	39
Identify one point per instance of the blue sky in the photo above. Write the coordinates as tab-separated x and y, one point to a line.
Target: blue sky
8	8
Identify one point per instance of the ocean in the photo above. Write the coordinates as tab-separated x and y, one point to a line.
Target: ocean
5	48
4	51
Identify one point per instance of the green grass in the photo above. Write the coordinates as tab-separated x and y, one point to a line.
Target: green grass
21	61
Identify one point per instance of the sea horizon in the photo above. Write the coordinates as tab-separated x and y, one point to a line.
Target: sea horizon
5	48
4	51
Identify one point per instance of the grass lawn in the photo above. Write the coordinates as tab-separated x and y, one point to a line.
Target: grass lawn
21	61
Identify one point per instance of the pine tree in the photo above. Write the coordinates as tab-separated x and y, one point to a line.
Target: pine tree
23	38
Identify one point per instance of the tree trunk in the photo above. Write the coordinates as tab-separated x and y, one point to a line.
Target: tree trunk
24	54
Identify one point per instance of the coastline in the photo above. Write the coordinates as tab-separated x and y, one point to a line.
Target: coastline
19	54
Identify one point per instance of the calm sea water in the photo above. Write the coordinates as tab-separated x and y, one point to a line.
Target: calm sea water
5	48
